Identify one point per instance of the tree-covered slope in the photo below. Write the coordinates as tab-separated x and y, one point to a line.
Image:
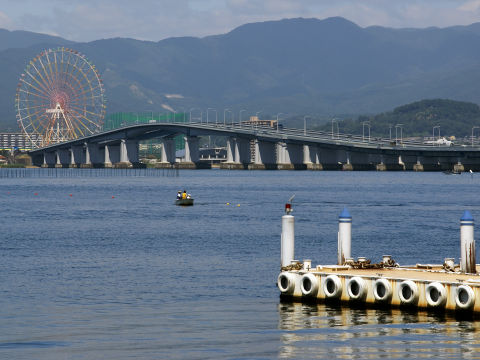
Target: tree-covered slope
455	118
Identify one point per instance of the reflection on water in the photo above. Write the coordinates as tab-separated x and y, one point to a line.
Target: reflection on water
323	331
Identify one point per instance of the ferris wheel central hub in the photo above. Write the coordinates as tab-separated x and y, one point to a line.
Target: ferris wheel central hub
56	112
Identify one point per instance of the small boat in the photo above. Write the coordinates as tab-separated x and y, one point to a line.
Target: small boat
184	202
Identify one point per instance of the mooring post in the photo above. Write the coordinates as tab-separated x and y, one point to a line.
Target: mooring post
288	236
344	236
467	244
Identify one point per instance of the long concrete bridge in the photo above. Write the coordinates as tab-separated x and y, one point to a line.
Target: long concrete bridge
251	147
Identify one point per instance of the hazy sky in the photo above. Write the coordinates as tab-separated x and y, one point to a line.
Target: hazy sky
86	20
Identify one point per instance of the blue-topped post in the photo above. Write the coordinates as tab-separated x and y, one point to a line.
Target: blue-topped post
344	236
467	244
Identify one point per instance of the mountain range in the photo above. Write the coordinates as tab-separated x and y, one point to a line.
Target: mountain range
299	66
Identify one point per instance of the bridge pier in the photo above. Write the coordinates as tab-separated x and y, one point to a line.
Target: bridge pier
76	154
311	158
264	156
381	165
49	159
167	153
348	165
107	162
191	153
233	155
62	158
132	152
124	161
243	153
400	162
289	156
418	165
90	155
458	167
72	158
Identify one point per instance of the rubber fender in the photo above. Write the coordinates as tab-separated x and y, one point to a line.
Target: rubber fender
309	284
408	292
382	290
332	287
286	283
436	294
465	297
357	288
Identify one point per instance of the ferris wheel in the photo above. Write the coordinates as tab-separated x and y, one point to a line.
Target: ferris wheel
60	97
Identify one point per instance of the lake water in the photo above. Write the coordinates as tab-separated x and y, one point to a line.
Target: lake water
109	268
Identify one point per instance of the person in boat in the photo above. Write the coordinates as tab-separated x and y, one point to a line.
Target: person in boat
179	195
189	196
184	194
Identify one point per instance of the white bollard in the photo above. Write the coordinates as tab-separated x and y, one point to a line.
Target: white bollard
288	237
467	244
344	236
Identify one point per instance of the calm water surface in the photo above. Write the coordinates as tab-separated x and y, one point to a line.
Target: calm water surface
116	271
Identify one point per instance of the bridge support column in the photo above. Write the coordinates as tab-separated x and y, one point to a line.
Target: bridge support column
243	154
88	156
132	152
264	156
75	156
400	162
458	167
191	153
418	165
62	158
107	163
290	156
381	166
72	159
167	153
311	158
49	159
124	161
58	162
233	155
347	166
283	158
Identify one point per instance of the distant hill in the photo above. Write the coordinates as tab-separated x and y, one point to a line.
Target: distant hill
22	39
298	66
455	118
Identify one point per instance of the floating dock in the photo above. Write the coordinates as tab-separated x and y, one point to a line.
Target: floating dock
437	287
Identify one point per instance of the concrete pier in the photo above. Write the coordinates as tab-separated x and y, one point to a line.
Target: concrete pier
264	156
360	282
458	167
381	167
191	153
107	163
311	157
235	149
124	161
